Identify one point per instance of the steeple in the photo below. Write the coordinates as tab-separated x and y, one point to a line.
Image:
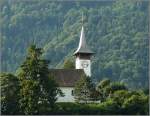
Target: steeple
83	47
83	54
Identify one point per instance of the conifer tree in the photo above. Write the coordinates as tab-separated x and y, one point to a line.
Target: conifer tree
38	88
9	94
84	90
68	64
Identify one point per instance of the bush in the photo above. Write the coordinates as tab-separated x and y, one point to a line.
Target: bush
136	105
109	107
132	105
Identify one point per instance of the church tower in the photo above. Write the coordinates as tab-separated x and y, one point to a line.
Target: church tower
83	54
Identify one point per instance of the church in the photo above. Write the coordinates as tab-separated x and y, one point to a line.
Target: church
67	78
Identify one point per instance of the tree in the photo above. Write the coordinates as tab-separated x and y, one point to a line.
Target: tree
136	104
107	88
121	43
84	90
119	96
38	88
115	86
103	83
131	102
9	94
68	64
110	106
146	91
103	88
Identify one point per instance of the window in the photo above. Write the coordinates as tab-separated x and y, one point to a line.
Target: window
72	92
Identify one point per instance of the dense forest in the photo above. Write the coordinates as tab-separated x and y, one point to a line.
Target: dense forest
117	31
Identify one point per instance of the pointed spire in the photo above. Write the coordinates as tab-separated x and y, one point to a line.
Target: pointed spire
82	19
82	48
82	43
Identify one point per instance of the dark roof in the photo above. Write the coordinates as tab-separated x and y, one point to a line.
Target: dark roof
85	50
66	77
83	47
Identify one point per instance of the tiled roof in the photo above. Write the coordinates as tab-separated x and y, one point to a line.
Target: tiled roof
66	77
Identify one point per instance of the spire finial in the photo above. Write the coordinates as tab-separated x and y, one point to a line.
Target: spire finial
82	19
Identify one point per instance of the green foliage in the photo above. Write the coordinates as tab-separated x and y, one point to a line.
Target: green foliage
69	64
103	88
9	94
84	90
131	102
121	102
129	105
103	83
117	86
110	106
116	30
136	105
38	88
106	88
30	97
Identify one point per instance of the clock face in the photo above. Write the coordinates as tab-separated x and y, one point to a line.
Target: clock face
85	64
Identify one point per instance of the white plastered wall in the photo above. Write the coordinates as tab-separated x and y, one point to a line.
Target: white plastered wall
68	97
79	65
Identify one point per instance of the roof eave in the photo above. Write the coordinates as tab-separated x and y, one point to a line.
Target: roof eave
91	53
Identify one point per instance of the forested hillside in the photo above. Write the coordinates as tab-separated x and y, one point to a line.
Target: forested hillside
116	31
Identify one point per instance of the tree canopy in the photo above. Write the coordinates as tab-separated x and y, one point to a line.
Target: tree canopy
9	94
117	31
69	64
84	90
37	86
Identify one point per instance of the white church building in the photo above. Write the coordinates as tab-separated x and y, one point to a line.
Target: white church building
67	78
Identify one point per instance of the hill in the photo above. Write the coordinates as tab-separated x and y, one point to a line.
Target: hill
117	31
